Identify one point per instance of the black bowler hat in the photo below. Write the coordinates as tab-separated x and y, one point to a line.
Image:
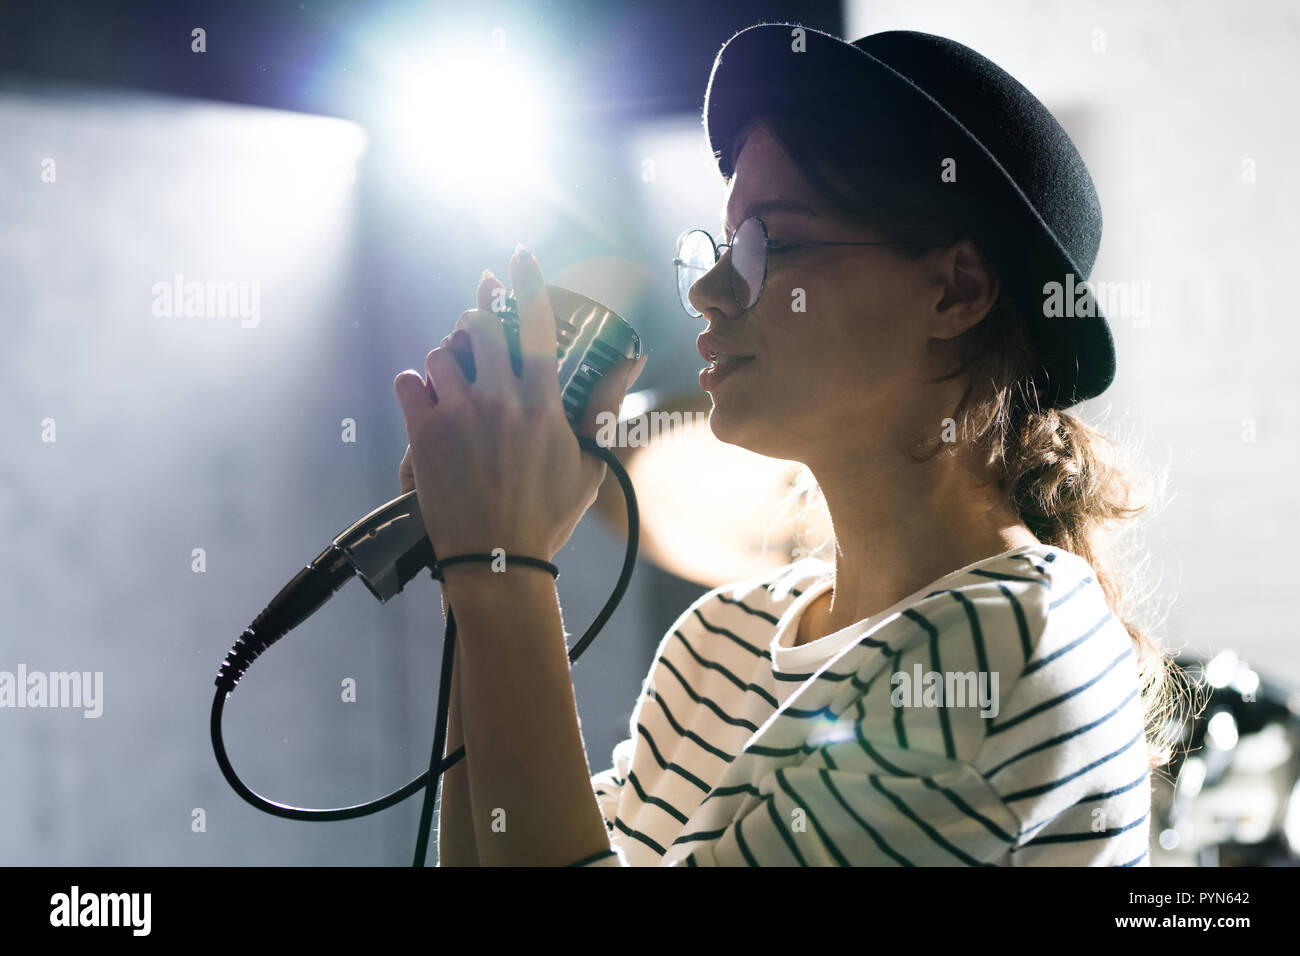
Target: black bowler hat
908	103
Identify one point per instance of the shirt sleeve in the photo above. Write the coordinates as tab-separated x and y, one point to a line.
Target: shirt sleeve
608	786
947	815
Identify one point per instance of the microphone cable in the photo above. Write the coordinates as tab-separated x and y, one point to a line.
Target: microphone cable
331	573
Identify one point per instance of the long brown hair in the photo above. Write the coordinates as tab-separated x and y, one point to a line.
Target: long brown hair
1073	488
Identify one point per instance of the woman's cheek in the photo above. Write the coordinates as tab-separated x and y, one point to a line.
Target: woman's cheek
790	303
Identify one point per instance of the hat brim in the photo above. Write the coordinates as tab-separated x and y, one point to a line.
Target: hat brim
757	69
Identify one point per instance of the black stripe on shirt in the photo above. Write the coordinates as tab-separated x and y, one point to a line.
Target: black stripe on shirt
1090	798
1003	576
1022	625
780	828
970	811
771	619
1030	558
1117	791
711	835
1062	781
639	836
1060	738
1087	835
1072	592
689	734
731	635
1049	704
699	699
742	845
801	714
976	630
871	832
1035	665
801	804
871	751
931	832
713	666
662	804
674	767
899	730
949	747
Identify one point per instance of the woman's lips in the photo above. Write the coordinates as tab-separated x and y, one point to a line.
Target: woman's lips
724	366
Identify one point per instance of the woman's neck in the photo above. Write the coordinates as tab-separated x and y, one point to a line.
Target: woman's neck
900	525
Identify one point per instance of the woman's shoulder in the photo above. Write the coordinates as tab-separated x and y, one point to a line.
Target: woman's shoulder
1047	598
1024	607
764	596
746	612
1036	617
1067	665
1034	570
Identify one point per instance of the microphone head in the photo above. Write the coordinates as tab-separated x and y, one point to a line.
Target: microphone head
591	339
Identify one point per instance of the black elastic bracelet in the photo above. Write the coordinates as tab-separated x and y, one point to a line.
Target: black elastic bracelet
435	570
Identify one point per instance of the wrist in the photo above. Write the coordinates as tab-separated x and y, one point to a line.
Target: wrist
498	560
490	579
494	608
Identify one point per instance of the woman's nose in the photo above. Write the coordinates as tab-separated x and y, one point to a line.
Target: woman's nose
712	291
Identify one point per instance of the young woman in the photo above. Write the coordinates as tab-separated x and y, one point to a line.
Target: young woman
952	684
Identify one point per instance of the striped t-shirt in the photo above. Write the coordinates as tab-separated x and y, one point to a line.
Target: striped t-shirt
990	718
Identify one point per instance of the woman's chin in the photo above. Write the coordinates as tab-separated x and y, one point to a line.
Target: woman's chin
754	430
730	426
719	424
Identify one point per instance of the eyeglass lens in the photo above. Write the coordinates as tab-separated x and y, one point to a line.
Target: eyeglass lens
696	255
748	262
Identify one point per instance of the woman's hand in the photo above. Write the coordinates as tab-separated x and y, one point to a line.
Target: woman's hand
494	461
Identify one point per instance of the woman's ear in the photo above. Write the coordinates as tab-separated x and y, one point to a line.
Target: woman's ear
970	288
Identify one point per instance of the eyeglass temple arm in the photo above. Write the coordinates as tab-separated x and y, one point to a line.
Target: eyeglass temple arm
779	242
792	245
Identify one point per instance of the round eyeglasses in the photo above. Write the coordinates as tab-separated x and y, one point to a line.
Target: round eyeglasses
697	253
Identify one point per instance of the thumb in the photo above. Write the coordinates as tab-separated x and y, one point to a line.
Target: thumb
607	396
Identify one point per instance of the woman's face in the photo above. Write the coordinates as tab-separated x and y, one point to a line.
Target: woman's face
849	368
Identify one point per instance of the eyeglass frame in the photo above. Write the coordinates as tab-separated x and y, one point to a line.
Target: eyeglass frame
769	244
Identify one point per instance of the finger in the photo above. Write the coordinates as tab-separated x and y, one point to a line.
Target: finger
491	293
414	398
637	369
607	396
487	340
406	472
537	341
446	377
593	474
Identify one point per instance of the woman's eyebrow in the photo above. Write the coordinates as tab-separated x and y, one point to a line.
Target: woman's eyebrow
770	205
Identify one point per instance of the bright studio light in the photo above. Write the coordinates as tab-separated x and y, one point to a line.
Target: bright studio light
469	123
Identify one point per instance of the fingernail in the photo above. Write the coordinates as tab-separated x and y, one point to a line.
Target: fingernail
522	255
487	274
